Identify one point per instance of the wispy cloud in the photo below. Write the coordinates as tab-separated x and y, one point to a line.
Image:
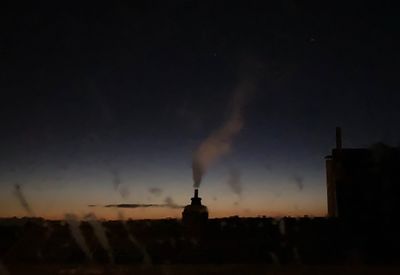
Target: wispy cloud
171	203
22	200
138	205
155	191
299	181
234	181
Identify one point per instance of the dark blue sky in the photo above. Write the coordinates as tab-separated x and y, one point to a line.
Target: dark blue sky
92	95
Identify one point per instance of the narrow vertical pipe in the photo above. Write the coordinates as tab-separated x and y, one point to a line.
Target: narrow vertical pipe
338	138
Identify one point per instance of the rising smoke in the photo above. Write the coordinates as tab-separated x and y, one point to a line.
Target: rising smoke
155	191
22	200
124	192
219	143
299	181
169	202
116	179
118	185
234	181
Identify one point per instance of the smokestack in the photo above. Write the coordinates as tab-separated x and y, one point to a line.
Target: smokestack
338	138
196	200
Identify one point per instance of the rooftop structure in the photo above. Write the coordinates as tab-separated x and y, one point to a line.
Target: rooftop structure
195	213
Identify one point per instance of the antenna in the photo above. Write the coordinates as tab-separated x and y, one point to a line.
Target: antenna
338	138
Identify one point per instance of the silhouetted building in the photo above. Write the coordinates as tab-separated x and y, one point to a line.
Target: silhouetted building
363	184
195	214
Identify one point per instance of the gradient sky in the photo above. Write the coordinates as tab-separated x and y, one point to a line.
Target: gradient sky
101	103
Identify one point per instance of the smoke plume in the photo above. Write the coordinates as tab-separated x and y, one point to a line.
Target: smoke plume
299	181
155	191
169	202
234	181
117	183
124	192
21	199
219	143
115	178
73	224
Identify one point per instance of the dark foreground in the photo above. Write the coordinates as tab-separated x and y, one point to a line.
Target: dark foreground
222	246
202	269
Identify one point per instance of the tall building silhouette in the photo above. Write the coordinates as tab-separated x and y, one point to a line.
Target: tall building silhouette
363	183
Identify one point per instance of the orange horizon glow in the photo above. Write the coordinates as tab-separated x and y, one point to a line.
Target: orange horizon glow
54	204
154	214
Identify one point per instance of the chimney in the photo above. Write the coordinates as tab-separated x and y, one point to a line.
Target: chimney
196	200
338	138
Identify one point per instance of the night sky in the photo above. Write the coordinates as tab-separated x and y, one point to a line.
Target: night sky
106	104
